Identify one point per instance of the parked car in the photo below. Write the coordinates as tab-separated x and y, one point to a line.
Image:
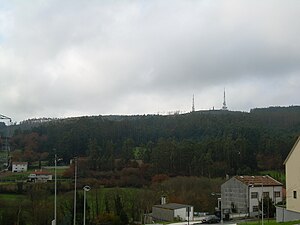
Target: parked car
211	219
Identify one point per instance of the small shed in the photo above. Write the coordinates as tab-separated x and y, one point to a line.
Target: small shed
172	211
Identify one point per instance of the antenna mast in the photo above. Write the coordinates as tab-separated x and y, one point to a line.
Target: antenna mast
224	107
193	104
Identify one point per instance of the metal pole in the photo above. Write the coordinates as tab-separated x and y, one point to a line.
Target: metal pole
55	187
85	189
84	203
262	204
188	216
75	174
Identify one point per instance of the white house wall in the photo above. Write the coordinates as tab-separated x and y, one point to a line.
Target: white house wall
19	167
165	214
162	214
183	215
236	192
292	168
270	189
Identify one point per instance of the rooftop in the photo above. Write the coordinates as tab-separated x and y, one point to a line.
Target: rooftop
172	206
20	163
258	180
41	173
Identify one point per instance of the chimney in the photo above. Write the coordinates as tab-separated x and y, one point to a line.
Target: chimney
163	200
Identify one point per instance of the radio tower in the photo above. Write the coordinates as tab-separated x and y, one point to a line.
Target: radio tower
193	104
224	107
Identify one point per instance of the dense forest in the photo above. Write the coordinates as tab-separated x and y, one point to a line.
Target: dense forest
209	143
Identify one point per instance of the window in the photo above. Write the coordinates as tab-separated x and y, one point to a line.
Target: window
277	194
266	194
255	208
295	194
254	195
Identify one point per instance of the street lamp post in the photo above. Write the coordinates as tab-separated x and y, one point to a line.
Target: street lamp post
85	189
262	201
55	189
221	213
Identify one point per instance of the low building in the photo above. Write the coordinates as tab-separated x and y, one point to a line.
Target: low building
242	194
292	167
19	166
172	212
40	176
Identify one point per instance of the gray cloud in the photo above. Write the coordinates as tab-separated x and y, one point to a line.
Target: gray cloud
68	58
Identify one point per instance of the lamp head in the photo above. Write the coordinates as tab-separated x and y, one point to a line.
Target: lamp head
86	188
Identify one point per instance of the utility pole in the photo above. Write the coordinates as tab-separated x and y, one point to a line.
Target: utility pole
75	189
262	204
55	187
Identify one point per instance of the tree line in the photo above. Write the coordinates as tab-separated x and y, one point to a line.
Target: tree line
202	143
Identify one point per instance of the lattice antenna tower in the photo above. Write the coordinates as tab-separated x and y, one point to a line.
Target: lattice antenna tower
193	104
224	107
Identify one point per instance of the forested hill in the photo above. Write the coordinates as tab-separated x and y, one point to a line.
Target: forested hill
208	143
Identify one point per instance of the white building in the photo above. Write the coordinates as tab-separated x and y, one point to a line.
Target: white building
40	176
172	211
19	166
292	168
241	194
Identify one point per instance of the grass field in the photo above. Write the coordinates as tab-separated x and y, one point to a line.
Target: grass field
278	175
12	197
269	222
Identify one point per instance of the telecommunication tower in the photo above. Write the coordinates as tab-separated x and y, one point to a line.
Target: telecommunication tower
224	107
193	104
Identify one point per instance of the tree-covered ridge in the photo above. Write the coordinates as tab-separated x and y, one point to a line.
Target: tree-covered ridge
206	143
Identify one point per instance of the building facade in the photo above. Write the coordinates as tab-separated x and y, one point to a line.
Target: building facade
19	166
292	169
242	194
292	175
172	212
40	176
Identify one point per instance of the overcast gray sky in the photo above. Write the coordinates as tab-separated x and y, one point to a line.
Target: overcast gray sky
61	58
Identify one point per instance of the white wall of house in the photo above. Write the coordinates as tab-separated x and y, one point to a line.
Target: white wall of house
245	198
40	177
255	194
19	167
159	212
162	214
182	213
292	171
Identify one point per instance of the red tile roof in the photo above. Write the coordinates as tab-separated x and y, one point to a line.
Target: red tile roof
258	180
41	173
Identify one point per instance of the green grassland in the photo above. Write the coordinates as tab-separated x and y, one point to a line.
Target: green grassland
269	222
12	197
277	175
